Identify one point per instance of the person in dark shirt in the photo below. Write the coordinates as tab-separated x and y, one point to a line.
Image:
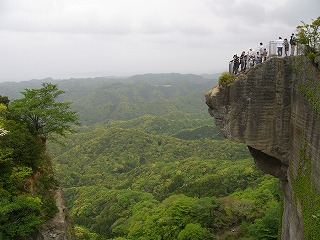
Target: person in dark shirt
235	64
243	61
292	43
286	46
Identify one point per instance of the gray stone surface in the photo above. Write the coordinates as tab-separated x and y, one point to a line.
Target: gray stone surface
265	109
59	227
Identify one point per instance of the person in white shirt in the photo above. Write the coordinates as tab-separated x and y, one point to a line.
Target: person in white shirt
261	51
257	58
279	46
265	54
250	58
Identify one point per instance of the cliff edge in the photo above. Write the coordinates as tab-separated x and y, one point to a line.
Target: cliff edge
274	108
60	226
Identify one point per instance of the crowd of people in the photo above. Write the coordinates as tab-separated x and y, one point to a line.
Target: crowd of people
252	58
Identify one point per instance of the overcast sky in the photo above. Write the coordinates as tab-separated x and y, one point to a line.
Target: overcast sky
89	38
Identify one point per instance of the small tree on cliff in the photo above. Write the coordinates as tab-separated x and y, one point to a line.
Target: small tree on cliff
42	113
309	36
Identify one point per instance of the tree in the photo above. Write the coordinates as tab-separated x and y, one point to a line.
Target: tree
19	216
309	36
4	100
193	231
267	227
42	112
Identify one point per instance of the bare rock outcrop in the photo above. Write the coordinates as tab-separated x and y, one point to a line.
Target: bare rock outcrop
274	108
60	226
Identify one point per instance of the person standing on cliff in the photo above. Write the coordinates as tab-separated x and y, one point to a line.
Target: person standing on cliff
257	58
261	50
243	61
235	64
265	54
279	46
250	57
292	43
286	46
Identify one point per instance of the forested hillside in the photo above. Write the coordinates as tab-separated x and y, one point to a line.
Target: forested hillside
100	99
28	188
148	163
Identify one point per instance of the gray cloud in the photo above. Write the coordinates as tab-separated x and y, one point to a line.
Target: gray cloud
73	38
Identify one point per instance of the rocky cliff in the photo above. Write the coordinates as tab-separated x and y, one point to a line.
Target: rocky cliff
60	226
274	108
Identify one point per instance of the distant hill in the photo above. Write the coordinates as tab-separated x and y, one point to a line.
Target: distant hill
103	98
213	76
12	89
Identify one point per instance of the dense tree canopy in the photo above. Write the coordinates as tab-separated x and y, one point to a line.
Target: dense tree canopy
4	100
148	185
20	211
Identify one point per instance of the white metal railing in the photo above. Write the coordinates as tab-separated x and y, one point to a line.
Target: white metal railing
272	52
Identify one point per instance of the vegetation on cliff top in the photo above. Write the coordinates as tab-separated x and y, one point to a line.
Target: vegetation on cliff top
309	36
226	79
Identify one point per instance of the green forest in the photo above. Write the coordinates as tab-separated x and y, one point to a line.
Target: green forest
144	162
27	183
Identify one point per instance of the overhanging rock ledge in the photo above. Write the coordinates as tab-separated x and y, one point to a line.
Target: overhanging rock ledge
272	109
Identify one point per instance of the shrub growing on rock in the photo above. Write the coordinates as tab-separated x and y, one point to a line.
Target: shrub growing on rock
226	79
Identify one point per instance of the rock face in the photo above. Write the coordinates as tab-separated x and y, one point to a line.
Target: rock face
274	108
59	227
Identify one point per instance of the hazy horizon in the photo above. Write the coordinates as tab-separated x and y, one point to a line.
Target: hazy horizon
108	77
